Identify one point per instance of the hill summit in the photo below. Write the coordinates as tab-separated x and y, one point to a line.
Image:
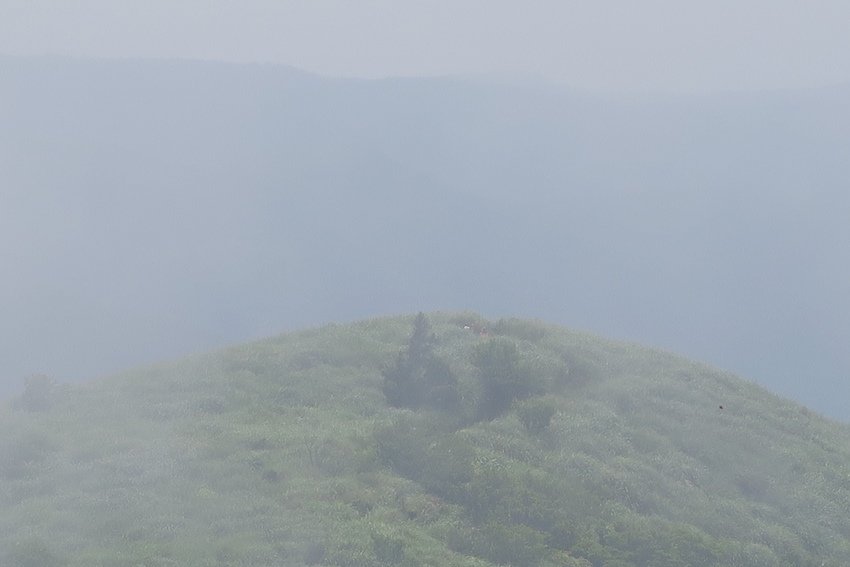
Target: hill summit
441	439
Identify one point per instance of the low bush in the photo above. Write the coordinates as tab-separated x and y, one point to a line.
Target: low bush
536	413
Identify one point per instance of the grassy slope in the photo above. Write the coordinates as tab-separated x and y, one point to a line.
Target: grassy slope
266	454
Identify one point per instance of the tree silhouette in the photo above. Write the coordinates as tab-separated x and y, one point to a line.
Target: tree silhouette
418	377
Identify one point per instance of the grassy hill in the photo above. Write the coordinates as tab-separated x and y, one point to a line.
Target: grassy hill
524	444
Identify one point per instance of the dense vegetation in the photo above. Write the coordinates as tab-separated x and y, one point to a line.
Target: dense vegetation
441	440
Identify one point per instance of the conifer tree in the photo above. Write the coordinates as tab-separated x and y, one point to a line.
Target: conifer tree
419	378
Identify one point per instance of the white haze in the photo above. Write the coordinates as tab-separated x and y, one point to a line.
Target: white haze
613	46
149	209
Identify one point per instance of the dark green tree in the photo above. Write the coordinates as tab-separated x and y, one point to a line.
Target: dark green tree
422	339
418	377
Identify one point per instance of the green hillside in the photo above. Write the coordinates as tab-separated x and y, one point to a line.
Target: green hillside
446	440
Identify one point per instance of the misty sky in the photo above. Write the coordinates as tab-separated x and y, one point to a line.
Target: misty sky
753	184
612	46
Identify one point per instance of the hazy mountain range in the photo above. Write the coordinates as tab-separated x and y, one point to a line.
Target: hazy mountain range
153	208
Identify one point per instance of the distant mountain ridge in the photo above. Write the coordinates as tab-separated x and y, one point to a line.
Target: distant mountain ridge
156	208
299	450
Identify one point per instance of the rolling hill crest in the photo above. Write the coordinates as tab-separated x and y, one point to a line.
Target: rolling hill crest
440	439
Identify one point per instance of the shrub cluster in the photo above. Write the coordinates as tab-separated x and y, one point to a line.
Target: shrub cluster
504	377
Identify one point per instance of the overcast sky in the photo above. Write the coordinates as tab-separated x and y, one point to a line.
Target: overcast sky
650	45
